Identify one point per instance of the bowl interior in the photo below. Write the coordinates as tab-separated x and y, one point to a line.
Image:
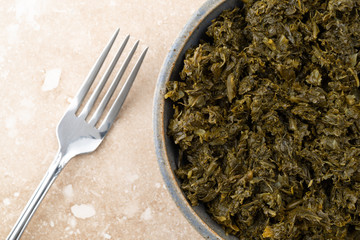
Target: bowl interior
167	151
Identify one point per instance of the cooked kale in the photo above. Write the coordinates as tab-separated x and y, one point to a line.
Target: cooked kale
267	120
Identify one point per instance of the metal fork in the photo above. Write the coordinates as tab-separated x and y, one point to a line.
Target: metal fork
75	134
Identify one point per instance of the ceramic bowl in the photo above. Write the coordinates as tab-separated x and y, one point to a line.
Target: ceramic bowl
166	150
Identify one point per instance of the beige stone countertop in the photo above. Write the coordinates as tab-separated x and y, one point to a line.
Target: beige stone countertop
116	192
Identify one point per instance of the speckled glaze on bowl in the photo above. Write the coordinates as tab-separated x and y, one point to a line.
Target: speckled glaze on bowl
167	152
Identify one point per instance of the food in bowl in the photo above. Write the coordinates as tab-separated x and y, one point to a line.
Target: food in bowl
267	120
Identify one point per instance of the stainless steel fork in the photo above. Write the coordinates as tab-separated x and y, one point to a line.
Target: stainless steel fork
75	134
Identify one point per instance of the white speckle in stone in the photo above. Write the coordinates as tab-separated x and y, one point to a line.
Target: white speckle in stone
26	112
72	222
68	192
4	74
107	236
10	122
157	185
12	33
6	201
27	102
45	224
52	78
132	178
69	99
10	125
51	223
146	215
95	193
131	209
29	9
16	194
18	141
83	211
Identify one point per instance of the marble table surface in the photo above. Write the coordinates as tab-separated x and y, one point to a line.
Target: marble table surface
46	50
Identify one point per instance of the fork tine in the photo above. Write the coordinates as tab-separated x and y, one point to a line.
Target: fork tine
92	74
115	108
103	80
99	111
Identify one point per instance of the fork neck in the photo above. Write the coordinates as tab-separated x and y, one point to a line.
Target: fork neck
62	157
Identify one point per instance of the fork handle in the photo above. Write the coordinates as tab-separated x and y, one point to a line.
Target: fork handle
38	195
